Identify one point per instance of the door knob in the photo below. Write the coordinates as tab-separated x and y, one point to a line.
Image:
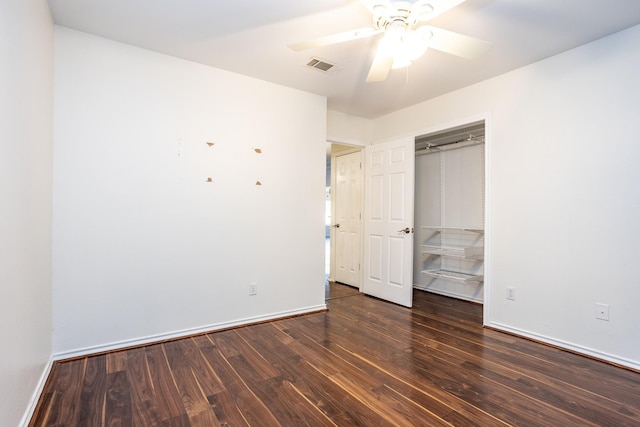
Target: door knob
405	230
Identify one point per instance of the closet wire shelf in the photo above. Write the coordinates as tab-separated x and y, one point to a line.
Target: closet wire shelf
460	252
454	275
439	228
466	252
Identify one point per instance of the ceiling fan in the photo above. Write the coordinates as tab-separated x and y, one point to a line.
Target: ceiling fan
406	38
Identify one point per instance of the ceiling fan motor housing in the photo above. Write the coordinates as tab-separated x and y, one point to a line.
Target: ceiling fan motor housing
403	14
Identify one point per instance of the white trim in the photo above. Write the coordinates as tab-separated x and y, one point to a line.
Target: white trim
567	346
353	149
347	141
150	339
488	217
37	393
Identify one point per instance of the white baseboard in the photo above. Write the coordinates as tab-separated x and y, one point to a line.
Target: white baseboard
182	333
35	398
448	294
567	345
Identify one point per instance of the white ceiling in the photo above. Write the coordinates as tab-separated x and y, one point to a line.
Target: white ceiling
250	37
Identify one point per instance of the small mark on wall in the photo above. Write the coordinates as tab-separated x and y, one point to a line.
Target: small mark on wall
210	144
209	179
257	150
258	183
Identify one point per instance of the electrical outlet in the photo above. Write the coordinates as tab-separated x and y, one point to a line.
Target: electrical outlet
511	293
253	288
602	311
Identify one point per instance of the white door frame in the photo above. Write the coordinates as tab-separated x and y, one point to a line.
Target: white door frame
332	256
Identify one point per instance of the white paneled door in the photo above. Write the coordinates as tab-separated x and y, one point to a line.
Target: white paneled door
348	218
388	221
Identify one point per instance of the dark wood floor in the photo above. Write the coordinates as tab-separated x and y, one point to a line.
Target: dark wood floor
364	362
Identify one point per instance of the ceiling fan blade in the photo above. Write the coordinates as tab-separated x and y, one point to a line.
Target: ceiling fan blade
425	10
380	67
334	38
455	43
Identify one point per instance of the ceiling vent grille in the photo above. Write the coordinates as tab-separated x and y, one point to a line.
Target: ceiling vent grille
321	65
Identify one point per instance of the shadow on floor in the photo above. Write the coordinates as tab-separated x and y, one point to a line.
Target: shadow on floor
333	290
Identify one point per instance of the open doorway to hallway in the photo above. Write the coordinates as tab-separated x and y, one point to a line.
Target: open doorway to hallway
343	217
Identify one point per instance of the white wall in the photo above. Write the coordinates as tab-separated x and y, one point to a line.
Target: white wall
564	193
26	113
143	245
348	129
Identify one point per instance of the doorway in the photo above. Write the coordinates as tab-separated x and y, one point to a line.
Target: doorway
344	194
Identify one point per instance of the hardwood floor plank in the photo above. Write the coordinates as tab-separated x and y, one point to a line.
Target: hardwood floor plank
412	412
67	388
43	409
116	361
147	408
182	356
117	401
187	356
328	398
163	388
362	363
179	421
92	395
246	405
286	404
238	346
313	413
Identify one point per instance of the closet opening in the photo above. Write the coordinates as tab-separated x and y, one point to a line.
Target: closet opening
449	212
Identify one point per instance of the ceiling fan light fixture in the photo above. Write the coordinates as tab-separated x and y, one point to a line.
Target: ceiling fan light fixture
406	47
391	41
415	44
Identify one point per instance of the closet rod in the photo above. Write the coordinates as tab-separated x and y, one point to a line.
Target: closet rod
435	148
478	139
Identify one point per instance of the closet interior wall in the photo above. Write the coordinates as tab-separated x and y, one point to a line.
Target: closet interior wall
449	213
